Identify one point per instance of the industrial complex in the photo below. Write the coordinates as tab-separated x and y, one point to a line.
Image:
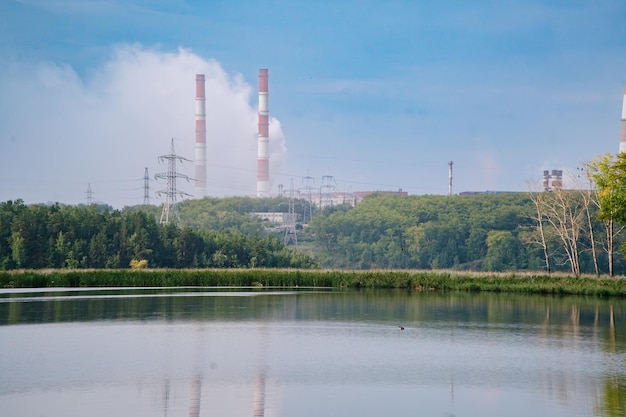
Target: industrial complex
325	194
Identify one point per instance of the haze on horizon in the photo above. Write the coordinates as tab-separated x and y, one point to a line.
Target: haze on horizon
381	95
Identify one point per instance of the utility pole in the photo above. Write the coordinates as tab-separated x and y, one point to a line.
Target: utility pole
146	188
291	237
170	208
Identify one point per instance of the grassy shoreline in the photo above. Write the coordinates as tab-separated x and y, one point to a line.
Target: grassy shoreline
524	282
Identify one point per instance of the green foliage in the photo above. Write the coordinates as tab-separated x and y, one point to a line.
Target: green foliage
503	250
477	232
409	280
609	174
234	213
56	236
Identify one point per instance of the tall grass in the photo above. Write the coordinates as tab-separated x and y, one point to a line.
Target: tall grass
411	280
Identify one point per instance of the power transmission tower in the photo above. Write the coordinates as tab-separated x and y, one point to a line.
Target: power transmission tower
327	189
291	237
170	208
89	195
309	183
146	188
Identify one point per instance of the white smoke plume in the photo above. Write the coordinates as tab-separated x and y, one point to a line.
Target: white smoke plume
60	132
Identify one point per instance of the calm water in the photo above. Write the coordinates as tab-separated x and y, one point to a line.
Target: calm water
308	353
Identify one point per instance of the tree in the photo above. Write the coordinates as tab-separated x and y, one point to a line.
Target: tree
537	199
608	172
18	249
502	251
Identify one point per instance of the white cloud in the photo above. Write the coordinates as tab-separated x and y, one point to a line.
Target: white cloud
58	131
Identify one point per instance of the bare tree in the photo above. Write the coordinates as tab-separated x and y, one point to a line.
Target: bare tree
589	199
565	214
537	198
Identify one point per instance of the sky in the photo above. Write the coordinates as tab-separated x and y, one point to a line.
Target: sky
375	95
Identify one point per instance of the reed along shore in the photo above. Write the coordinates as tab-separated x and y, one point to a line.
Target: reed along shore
523	282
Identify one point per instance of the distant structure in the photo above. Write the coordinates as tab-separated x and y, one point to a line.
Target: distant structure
89	194
622	134
450	177
552	180
146	188
338	198
308	184
291	235
263	161
327	190
170	209
360	195
200	163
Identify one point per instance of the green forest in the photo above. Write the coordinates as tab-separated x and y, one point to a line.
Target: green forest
577	231
477	232
56	236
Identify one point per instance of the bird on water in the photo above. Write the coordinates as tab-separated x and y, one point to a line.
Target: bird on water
401	328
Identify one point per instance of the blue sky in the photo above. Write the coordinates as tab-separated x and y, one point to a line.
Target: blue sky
379	94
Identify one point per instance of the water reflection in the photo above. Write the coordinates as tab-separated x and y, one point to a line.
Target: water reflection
309	353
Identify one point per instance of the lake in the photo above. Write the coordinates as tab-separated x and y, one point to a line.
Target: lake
308	352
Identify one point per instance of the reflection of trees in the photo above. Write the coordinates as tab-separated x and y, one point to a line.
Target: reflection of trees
553	314
612	402
551	320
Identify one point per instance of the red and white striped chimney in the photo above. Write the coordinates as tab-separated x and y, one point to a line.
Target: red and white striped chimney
622	133
263	161
200	163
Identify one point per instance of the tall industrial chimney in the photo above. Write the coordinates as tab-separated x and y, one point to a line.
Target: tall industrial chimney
200	164
622	134
263	155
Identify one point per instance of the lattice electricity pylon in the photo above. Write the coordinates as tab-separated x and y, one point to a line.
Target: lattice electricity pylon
170	208
291	237
327	190
307	189
89	194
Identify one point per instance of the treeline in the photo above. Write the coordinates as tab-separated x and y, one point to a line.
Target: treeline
57	236
501	232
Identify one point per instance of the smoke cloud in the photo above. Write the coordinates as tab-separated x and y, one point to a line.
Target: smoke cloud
60	132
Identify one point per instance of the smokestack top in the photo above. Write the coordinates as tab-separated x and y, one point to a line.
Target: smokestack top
200	86
263	84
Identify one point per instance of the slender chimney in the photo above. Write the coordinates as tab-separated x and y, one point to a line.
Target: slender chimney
263	161
200	164
450	177
622	134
